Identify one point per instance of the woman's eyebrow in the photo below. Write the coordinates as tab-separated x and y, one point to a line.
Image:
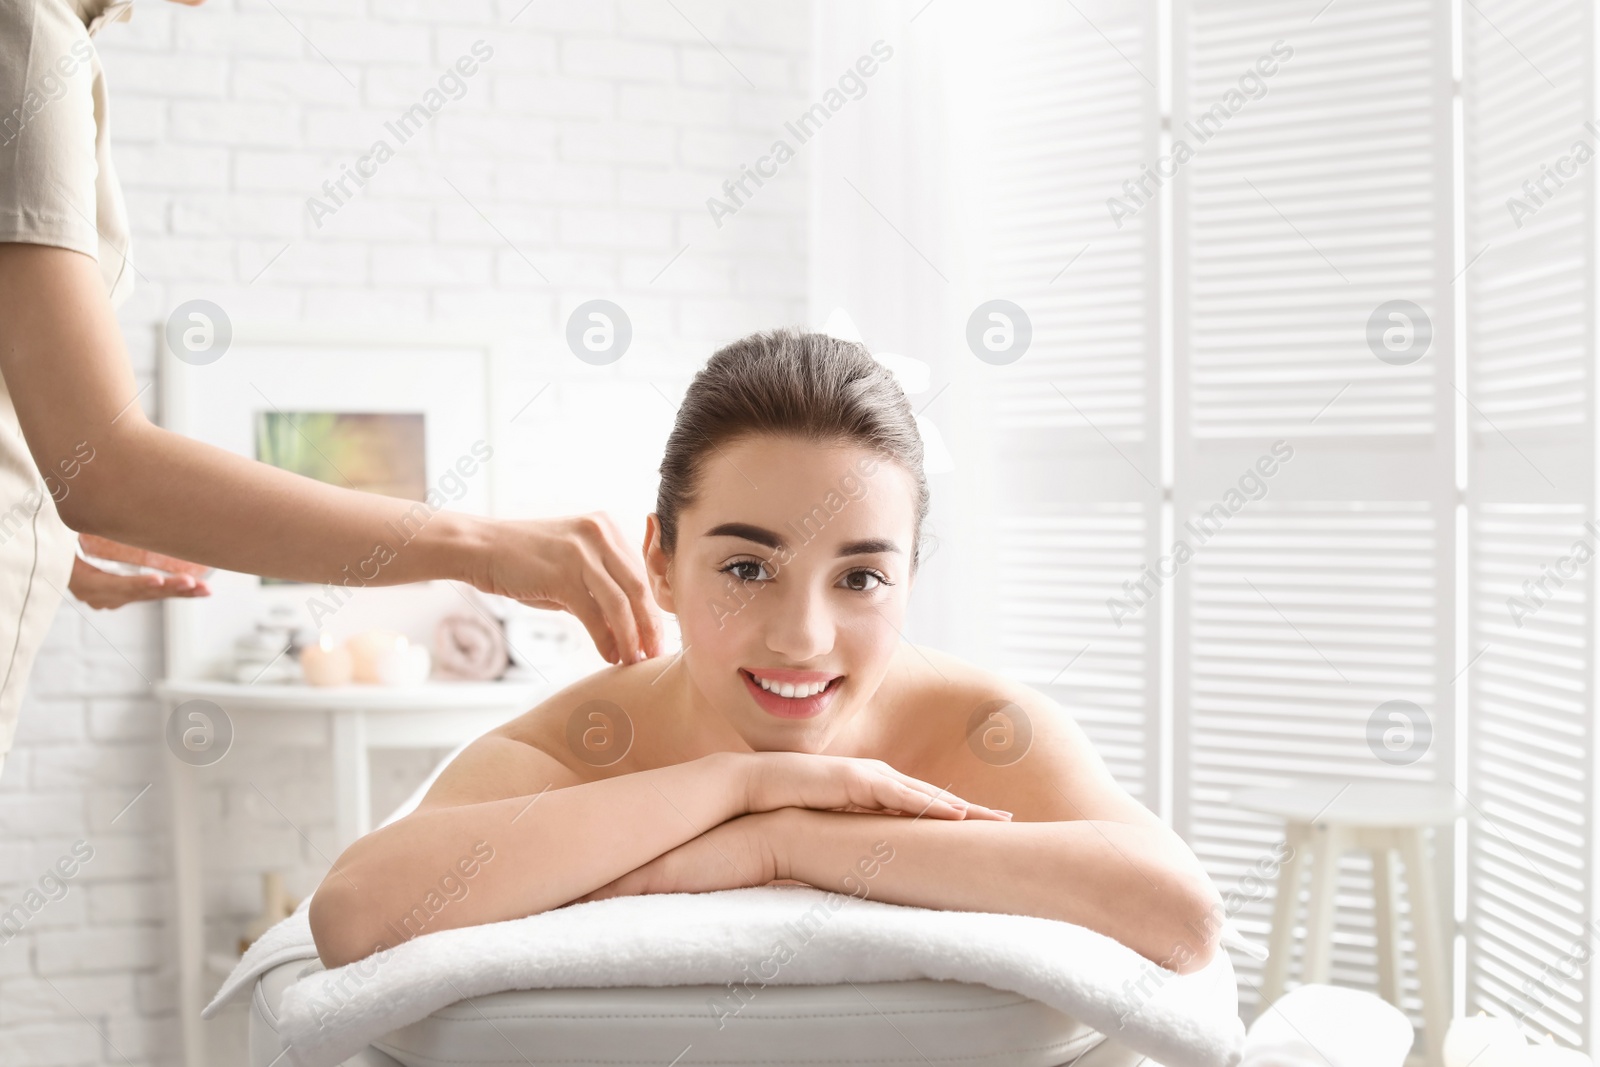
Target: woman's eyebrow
870	546
767	539
747	532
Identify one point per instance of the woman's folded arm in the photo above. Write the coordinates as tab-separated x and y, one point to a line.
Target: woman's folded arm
1137	884
1134	882
545	840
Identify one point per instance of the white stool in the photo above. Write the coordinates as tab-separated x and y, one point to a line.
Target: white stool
1325	822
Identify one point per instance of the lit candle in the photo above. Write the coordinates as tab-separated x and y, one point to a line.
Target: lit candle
367	648
326	663
404	664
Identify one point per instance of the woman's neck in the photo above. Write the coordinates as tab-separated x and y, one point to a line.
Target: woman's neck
685	723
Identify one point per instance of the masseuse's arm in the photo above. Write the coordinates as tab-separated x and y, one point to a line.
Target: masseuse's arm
67	369
547	838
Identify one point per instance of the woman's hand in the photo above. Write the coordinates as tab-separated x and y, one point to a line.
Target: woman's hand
738	853
579	564
775	780
103	590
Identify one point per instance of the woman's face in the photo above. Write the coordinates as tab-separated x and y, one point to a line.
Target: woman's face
790	576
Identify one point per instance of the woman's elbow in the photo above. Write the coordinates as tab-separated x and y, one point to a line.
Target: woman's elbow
1196	917
338	927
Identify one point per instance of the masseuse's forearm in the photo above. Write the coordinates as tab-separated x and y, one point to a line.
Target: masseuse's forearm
114	474
546	850
1119	880
150	487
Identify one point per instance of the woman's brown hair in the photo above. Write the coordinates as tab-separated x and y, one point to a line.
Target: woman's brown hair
789	382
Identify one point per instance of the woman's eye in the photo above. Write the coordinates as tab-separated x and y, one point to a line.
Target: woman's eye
747	570
864	581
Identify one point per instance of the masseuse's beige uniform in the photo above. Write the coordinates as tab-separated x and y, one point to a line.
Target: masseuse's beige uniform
56	188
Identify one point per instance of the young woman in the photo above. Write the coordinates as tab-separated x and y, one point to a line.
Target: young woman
796	737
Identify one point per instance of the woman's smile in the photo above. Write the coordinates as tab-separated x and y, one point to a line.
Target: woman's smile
790	694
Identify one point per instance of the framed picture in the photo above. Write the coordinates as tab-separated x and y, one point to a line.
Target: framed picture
411	415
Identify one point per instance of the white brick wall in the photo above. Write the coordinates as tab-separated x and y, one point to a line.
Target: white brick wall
591	141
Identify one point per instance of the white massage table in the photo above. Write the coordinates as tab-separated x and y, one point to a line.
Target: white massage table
882	1024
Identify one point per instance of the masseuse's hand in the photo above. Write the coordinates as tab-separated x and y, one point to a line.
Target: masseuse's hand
579	564
775	780
103	591
740	852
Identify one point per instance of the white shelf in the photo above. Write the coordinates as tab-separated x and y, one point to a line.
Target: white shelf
349	721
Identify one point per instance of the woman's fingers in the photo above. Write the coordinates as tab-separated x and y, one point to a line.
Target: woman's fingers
891	790
846	783
906	793
936	804
902	797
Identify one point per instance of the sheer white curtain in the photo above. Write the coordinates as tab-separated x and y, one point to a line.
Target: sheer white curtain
880	247
976	171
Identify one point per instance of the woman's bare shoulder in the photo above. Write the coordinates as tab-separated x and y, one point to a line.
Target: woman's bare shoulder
937	689
581	733
995	740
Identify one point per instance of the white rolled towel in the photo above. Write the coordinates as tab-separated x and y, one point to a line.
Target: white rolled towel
1328	1026
469	647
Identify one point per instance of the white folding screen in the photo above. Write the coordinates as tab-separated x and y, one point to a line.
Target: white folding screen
1314	473
1529	96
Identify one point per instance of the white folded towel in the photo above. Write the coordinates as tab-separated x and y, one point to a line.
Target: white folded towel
734	936
1328	1026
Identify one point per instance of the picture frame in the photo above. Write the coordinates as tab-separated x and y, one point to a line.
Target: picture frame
284	373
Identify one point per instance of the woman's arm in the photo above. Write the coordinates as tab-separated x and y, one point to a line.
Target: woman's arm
552	842
115	474
508	831
1127	882
1130	883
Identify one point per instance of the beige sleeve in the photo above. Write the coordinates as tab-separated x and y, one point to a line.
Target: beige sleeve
56	188
57	184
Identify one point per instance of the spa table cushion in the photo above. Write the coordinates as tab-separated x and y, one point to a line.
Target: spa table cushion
882	1024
